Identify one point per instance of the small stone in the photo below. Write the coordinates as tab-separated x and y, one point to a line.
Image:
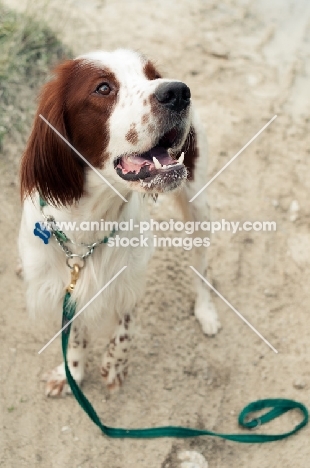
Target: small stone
269	293
219	50
192	459
294	209
252	80
65	428
275	203
299	384
168	387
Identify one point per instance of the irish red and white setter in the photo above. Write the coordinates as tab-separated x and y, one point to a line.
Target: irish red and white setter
132	125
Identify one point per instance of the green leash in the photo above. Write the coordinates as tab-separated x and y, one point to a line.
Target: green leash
276	407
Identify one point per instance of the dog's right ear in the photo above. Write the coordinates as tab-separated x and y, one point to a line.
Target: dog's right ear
48	165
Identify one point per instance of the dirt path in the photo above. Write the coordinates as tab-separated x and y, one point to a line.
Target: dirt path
244	61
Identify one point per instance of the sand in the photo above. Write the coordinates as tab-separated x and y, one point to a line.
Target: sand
245	62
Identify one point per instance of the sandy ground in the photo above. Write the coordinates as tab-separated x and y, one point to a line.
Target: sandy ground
245	61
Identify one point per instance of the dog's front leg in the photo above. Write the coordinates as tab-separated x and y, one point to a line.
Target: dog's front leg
56	382
205	310
114	366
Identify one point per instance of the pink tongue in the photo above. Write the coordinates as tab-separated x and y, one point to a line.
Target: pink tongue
134	163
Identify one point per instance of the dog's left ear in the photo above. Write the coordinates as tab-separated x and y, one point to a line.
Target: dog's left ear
48	165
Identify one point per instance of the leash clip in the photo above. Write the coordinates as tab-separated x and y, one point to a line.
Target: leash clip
75	273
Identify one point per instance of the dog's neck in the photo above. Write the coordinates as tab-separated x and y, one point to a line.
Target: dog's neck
100	202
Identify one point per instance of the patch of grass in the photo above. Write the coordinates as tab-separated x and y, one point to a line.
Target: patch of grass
28	50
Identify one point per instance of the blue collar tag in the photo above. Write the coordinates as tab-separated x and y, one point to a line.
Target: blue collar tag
40	230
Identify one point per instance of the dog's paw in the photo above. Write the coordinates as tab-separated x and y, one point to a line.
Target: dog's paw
208	318
56	382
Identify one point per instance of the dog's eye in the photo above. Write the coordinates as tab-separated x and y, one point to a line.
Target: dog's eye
103	89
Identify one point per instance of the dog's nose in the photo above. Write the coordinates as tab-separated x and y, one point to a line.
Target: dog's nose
174	95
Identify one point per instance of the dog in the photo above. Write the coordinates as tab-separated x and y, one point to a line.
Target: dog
133	127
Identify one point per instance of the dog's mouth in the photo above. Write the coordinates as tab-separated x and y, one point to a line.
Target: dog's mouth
155	166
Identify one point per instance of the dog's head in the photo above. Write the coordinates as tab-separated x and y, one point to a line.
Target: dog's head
117	111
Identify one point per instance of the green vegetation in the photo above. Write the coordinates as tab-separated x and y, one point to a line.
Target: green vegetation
28	50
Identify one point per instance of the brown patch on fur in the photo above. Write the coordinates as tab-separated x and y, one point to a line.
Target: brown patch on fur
144	102
123	338
145	119
75	363
150	71
126	321
132	135
69	103
191	152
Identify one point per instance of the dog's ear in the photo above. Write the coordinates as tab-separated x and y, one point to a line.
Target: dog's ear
48	164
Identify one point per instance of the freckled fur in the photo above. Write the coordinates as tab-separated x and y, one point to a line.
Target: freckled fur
132	135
